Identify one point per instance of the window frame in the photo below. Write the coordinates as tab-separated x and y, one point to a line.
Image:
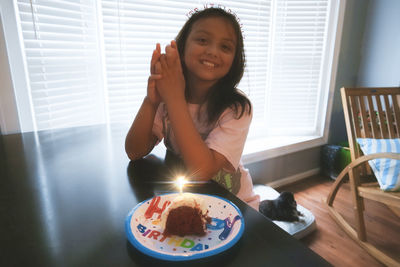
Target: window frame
255	150
18	68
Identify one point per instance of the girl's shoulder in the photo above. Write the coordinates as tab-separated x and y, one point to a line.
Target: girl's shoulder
237	112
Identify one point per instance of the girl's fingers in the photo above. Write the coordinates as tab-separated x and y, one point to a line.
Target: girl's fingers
173	44
175	47
152	62
158	67
172	53
158	48
168	56
155	57
163	62
153	77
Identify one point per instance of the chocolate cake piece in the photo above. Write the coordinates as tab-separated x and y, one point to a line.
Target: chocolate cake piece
185	216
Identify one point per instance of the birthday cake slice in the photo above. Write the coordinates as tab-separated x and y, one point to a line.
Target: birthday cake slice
186	215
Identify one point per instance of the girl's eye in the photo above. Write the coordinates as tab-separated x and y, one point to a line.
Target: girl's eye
202	40
226	48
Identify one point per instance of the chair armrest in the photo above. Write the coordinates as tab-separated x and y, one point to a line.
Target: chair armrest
365	158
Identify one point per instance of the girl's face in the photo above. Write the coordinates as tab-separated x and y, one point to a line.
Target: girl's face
209	51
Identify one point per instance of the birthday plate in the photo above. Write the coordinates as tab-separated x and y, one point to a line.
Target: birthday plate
223	232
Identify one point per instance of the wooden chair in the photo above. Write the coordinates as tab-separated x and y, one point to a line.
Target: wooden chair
369	113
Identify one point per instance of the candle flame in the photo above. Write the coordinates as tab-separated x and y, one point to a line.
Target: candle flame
180	181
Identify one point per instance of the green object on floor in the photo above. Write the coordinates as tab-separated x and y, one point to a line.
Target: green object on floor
344	157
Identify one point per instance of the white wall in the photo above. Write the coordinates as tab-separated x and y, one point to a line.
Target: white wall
380	53
349	63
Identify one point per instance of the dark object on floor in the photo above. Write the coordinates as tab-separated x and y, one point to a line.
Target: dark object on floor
283	208
334	158
329	160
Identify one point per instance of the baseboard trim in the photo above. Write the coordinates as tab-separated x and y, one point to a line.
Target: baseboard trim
294	178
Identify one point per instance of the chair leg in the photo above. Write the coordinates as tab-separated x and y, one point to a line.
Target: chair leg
358	207
358	204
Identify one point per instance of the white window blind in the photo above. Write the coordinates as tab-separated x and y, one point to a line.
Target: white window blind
62	58
297	58
88	61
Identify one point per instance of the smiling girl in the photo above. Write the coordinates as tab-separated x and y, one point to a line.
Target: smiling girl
193	104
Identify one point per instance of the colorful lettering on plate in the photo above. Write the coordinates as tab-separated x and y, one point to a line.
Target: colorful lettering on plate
216	224
228	227
154	234
187	243
141	228
153	208
145	233
174	240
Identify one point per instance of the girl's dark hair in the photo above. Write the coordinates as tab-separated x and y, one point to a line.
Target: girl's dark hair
224	93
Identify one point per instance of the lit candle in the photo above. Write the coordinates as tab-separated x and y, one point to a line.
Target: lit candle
180	181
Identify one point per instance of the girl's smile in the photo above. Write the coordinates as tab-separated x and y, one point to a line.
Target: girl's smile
209	51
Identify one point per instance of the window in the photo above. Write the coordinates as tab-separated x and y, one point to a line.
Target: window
87	61
61	46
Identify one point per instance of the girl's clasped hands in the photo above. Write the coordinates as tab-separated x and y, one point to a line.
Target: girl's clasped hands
166	81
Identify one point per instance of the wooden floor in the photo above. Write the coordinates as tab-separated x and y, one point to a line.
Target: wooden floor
329	240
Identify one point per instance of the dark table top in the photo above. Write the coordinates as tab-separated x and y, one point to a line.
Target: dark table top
64	196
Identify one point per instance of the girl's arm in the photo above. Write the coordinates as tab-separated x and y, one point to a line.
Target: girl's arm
140	139
202	162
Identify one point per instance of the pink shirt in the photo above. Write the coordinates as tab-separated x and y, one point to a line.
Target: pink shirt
227	136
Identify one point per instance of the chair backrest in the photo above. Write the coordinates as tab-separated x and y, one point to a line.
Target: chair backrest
371	113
